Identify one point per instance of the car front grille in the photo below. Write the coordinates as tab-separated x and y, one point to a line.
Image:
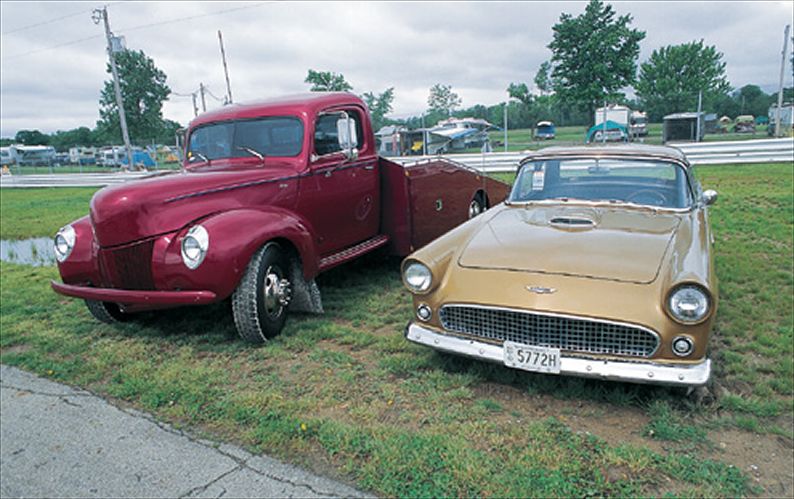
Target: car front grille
128	267
566	333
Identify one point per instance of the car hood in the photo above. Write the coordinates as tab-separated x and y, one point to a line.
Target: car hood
166	203
619	244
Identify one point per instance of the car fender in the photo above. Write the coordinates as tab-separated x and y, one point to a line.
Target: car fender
234	236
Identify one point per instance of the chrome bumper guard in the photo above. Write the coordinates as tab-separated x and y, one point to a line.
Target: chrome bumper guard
634	372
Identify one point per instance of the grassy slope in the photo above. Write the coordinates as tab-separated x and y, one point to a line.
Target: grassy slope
345	390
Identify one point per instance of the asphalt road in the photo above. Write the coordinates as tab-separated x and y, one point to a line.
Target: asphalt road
58	441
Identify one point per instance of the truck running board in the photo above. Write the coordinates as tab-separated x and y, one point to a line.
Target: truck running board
352	252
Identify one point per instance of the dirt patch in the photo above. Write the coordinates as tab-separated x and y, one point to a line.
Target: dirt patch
767	459
16	349
617	425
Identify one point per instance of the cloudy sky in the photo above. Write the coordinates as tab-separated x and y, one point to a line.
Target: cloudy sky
52	56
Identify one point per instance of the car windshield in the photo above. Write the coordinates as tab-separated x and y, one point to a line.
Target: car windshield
643	182
278	136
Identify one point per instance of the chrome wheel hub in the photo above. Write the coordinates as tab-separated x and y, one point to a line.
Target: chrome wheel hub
278	292
474	209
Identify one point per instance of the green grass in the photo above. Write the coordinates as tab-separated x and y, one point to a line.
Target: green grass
40	212
345	391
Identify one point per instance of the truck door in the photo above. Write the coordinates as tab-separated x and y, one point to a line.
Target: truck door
340	196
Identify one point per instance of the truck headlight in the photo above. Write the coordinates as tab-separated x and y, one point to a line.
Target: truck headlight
194	246
417	277
63	244
689	304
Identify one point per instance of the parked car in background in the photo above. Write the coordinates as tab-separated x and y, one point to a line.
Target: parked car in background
545	130
599	264
744	124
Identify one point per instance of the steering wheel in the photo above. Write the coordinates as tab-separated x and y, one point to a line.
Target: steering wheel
647	196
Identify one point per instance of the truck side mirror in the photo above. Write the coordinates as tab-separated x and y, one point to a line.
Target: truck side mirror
346	133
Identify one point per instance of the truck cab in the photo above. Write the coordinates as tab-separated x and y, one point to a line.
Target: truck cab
270	194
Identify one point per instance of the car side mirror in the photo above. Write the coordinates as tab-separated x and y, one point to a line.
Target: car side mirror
709	197
346	133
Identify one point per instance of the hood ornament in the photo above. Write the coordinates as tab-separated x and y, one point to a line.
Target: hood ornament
541	290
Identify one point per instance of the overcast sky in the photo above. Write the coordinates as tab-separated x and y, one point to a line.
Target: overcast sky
52	56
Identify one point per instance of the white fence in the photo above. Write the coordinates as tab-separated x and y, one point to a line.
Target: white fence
704	153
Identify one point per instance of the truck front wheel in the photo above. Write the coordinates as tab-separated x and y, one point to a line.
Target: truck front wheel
259	304
106	312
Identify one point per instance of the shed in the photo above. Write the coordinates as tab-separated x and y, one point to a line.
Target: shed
683	127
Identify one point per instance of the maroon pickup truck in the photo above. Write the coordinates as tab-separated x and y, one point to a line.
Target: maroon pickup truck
270	195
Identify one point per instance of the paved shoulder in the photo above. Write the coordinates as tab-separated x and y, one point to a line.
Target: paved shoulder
58	441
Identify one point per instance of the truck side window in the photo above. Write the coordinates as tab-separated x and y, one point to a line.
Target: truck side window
326	140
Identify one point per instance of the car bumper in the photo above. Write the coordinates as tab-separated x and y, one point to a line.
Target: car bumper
154	299
633	372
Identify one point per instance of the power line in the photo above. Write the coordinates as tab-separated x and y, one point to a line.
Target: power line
207	89
197	16
42	23
73	42
134	28
29	26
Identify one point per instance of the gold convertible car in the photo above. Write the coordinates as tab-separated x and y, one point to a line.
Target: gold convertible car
598	264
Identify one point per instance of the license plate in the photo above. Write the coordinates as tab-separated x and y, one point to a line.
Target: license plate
529	358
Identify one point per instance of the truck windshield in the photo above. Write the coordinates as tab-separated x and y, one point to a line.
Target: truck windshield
277	136
641	182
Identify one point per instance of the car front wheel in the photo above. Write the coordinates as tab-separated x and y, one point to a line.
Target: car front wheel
259	304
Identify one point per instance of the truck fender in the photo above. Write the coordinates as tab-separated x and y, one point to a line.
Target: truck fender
242	232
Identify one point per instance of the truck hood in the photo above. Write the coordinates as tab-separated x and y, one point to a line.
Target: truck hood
166	203
619	244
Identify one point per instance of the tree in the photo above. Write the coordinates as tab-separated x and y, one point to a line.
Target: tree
82	136
520	91
594	56
143	91
670	80
32	138
442	99
543	78
327	81
379	106
753	100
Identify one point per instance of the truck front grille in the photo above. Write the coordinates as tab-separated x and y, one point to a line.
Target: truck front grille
566	333
128	267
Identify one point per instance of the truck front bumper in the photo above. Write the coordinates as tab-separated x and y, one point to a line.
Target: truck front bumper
139	299
633	372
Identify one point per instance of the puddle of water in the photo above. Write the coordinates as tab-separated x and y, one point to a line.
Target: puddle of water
37	251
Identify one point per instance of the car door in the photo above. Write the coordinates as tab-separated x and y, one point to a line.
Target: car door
340	196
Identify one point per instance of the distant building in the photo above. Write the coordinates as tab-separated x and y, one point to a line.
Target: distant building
683	127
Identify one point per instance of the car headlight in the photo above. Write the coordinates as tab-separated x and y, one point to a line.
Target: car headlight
417	277
63	244
194	246
689	304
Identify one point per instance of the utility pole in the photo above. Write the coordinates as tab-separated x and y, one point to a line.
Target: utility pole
102	15
195	106
700	107
225	68
505	120
203	101
780	85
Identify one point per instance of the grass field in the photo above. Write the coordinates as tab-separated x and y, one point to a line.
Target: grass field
346	395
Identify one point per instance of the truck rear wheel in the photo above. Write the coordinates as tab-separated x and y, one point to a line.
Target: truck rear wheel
259	304
477	205
106	312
